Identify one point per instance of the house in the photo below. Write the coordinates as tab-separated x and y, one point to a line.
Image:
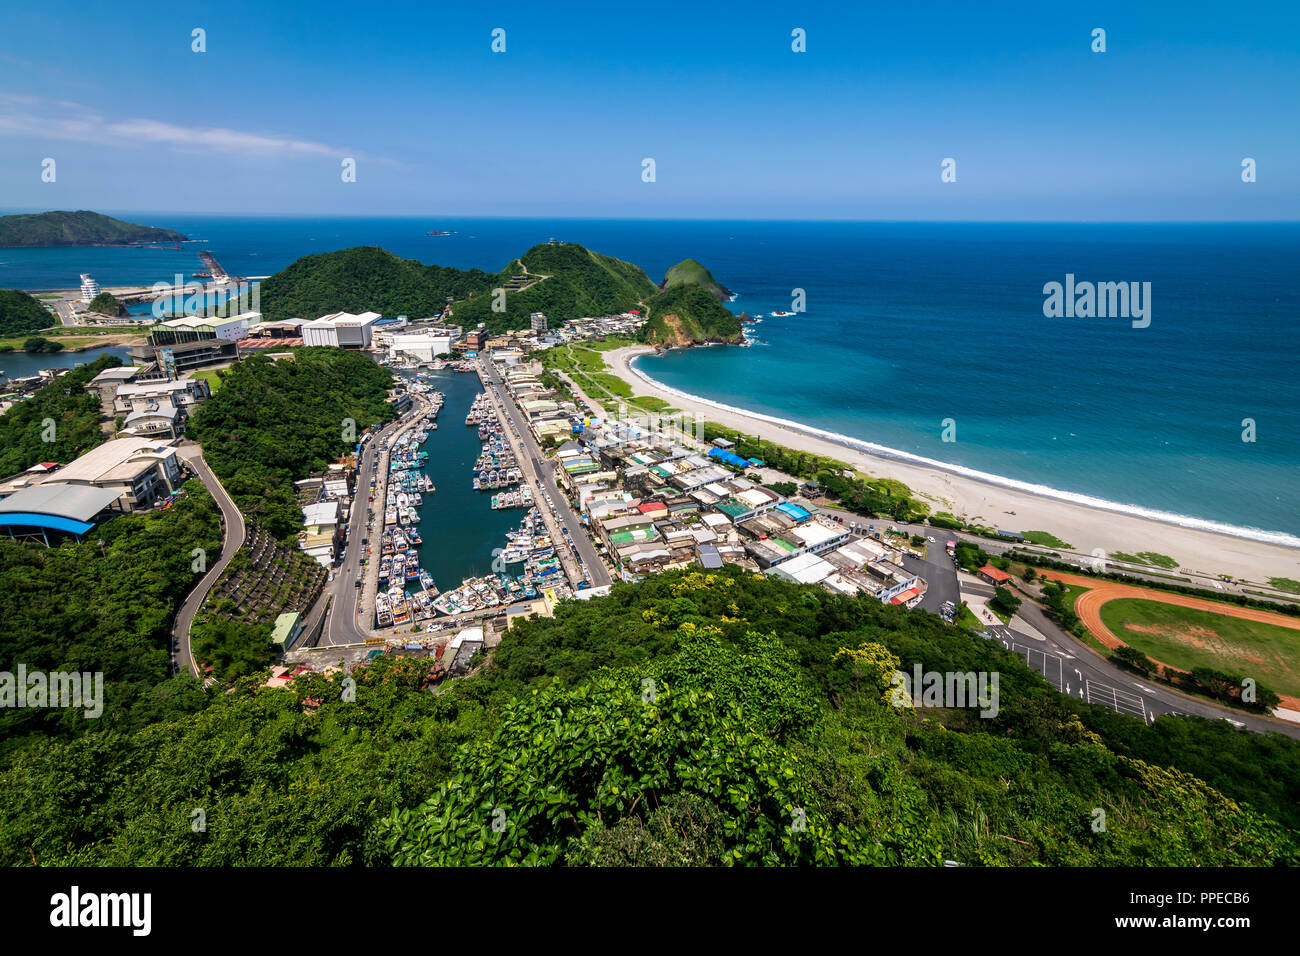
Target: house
288	628
159	420
994	576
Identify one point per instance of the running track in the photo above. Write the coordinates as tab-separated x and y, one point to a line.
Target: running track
1088	607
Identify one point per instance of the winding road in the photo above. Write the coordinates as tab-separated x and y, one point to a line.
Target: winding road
232	522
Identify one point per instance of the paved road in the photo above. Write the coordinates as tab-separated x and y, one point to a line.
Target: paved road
541	472
342	626
234	533
1081	672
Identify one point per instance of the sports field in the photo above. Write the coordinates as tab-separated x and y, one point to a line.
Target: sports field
1186	638
1185	632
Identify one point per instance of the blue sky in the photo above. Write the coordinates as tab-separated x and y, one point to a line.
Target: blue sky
739	126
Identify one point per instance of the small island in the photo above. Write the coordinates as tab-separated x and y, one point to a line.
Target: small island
81	228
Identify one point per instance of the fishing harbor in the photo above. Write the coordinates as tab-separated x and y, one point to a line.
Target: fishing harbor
453	540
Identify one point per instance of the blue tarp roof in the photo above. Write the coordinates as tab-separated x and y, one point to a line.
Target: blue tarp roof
794	511
728	458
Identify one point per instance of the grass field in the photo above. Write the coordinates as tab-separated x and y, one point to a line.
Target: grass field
211	377
1187	638
1046	539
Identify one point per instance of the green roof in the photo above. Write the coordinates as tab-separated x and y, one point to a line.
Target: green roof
285	625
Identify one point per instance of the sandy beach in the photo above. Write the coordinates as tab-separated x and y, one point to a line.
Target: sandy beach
1085	527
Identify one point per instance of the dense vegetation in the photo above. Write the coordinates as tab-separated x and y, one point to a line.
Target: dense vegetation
38	344
578	283
20	313
105	304
690	272
273	423
81	228
63	410
692	718
688	314
104	605
365	279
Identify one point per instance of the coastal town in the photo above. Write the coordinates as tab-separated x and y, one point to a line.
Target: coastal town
601	492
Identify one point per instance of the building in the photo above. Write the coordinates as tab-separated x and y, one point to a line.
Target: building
538	322
38	512
162	362
105	385
423	344
159	420
994	576
476	339
288	628
138	470
233	327
89	287
322	533
186	394
341	330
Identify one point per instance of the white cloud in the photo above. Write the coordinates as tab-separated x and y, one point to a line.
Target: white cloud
31	116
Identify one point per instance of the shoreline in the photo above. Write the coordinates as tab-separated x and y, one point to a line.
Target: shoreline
1198	544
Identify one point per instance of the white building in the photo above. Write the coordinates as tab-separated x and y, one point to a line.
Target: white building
89	287
233	328
538	320
424	345
341	330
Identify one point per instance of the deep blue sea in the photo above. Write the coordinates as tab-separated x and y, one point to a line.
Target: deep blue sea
909	324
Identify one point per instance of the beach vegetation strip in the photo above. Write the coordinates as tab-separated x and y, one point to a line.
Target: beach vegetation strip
1188	638
1046	539
1149	558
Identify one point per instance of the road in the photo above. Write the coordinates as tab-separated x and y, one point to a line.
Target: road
234	532
540	472
342	595
1082	673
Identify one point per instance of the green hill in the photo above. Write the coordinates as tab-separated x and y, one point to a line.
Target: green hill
577	283
20	313
563	280
81	228
106	304
366	278
687	314
690	272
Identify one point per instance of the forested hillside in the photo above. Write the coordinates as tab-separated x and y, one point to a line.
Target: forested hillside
578	283
20	313
73	412
366	279
274	422
688	314
104	605
693	718
80	228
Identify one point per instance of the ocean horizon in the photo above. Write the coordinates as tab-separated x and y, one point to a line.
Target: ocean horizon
916	331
